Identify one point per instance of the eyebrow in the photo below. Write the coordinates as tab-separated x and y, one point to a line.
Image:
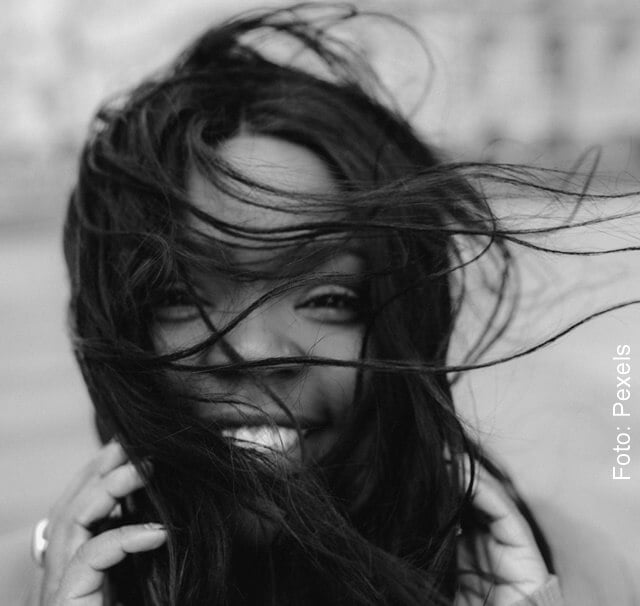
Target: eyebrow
315	254
280	262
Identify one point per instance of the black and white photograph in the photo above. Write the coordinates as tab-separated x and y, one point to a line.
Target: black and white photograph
320	303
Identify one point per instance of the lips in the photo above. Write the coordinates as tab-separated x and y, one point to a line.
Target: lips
265	430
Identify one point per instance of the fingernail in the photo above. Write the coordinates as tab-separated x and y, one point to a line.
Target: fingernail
154	526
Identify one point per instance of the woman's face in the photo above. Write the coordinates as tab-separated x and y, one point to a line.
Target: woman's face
321	318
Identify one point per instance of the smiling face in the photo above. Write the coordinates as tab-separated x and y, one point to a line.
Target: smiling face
322	317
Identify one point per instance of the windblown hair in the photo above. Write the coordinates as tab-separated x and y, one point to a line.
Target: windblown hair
132	234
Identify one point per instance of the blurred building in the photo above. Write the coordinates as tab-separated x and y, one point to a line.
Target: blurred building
537	81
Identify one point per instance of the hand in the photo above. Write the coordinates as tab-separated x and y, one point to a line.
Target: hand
507	552
75	561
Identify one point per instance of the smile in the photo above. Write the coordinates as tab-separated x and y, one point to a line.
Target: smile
265	438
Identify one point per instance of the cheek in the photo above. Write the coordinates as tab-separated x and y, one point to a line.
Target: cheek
335	384
339	386
340	342
172	337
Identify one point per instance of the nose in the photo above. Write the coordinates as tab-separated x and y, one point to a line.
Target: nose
264	333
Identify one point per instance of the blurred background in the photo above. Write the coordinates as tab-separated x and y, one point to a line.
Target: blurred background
535	81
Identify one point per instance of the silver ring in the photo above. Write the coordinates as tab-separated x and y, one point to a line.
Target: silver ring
39	543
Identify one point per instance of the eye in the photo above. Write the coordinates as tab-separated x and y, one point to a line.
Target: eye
176	305
333	303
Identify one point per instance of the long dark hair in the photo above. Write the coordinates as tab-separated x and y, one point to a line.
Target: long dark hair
129	239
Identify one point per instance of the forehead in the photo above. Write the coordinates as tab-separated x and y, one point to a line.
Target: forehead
272	162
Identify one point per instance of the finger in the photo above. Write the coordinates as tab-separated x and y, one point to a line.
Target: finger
109	457
69	528
112	456
489	496
101	495
85	574
507	524
509	550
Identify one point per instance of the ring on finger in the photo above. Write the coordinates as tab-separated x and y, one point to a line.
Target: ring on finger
39	542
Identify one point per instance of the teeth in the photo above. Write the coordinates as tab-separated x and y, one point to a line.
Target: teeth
264	437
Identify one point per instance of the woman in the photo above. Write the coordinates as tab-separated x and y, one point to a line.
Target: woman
266	268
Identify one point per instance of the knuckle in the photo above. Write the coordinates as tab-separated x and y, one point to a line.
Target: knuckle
83	553
61	526
130	473
96	461
121	533
123	480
